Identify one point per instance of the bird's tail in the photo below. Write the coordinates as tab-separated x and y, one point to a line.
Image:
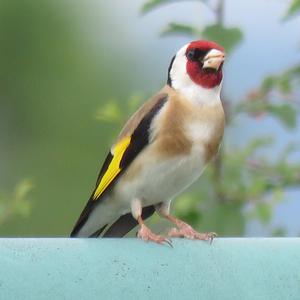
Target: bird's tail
125	223
86	226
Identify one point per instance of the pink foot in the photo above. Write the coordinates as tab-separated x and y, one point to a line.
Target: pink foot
187	231
147	235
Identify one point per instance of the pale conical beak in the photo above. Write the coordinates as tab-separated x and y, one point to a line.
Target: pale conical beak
213	59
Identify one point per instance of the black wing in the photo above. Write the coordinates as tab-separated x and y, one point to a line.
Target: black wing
139	140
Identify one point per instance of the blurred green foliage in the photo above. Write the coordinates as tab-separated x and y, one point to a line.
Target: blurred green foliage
52	80
61	110
227	37
15	204
293	9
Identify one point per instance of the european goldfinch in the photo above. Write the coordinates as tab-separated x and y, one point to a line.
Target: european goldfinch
162	149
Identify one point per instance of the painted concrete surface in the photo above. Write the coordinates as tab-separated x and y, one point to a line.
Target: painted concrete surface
131	269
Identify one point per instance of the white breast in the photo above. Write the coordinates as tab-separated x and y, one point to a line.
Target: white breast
161	181
200	132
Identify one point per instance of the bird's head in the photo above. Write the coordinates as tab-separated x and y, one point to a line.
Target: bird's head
197	64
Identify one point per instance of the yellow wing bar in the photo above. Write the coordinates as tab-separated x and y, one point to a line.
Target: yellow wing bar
114	167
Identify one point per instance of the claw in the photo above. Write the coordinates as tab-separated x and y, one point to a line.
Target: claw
147	235
211	236
187	231
169	242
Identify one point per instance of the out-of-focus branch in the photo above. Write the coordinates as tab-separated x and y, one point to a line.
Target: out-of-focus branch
217	177
220	12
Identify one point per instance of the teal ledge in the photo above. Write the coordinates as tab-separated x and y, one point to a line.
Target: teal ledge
230	268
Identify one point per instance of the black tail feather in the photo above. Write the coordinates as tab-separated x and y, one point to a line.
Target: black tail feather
118	229
126	223
98	232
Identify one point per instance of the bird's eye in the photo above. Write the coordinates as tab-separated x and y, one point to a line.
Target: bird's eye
191	54
195	54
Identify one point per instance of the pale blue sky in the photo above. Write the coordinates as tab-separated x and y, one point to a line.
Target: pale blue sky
269	44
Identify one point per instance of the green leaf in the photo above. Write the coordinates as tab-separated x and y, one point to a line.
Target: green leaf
227	37
176	28
23	188
268	84
151	4
295	71
293	9
16	203
134	102
23	208
264	212
288	149
255	144
284	83
285	113
109	112
279	232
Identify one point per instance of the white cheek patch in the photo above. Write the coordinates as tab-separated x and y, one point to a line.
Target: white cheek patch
178	72
182	82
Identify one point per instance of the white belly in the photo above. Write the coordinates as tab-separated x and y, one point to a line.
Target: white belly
161	181
157	182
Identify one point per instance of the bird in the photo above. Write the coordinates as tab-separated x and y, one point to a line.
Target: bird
163	148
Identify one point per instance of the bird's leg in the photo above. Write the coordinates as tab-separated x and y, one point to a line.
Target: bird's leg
183	229
187	231
144	232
